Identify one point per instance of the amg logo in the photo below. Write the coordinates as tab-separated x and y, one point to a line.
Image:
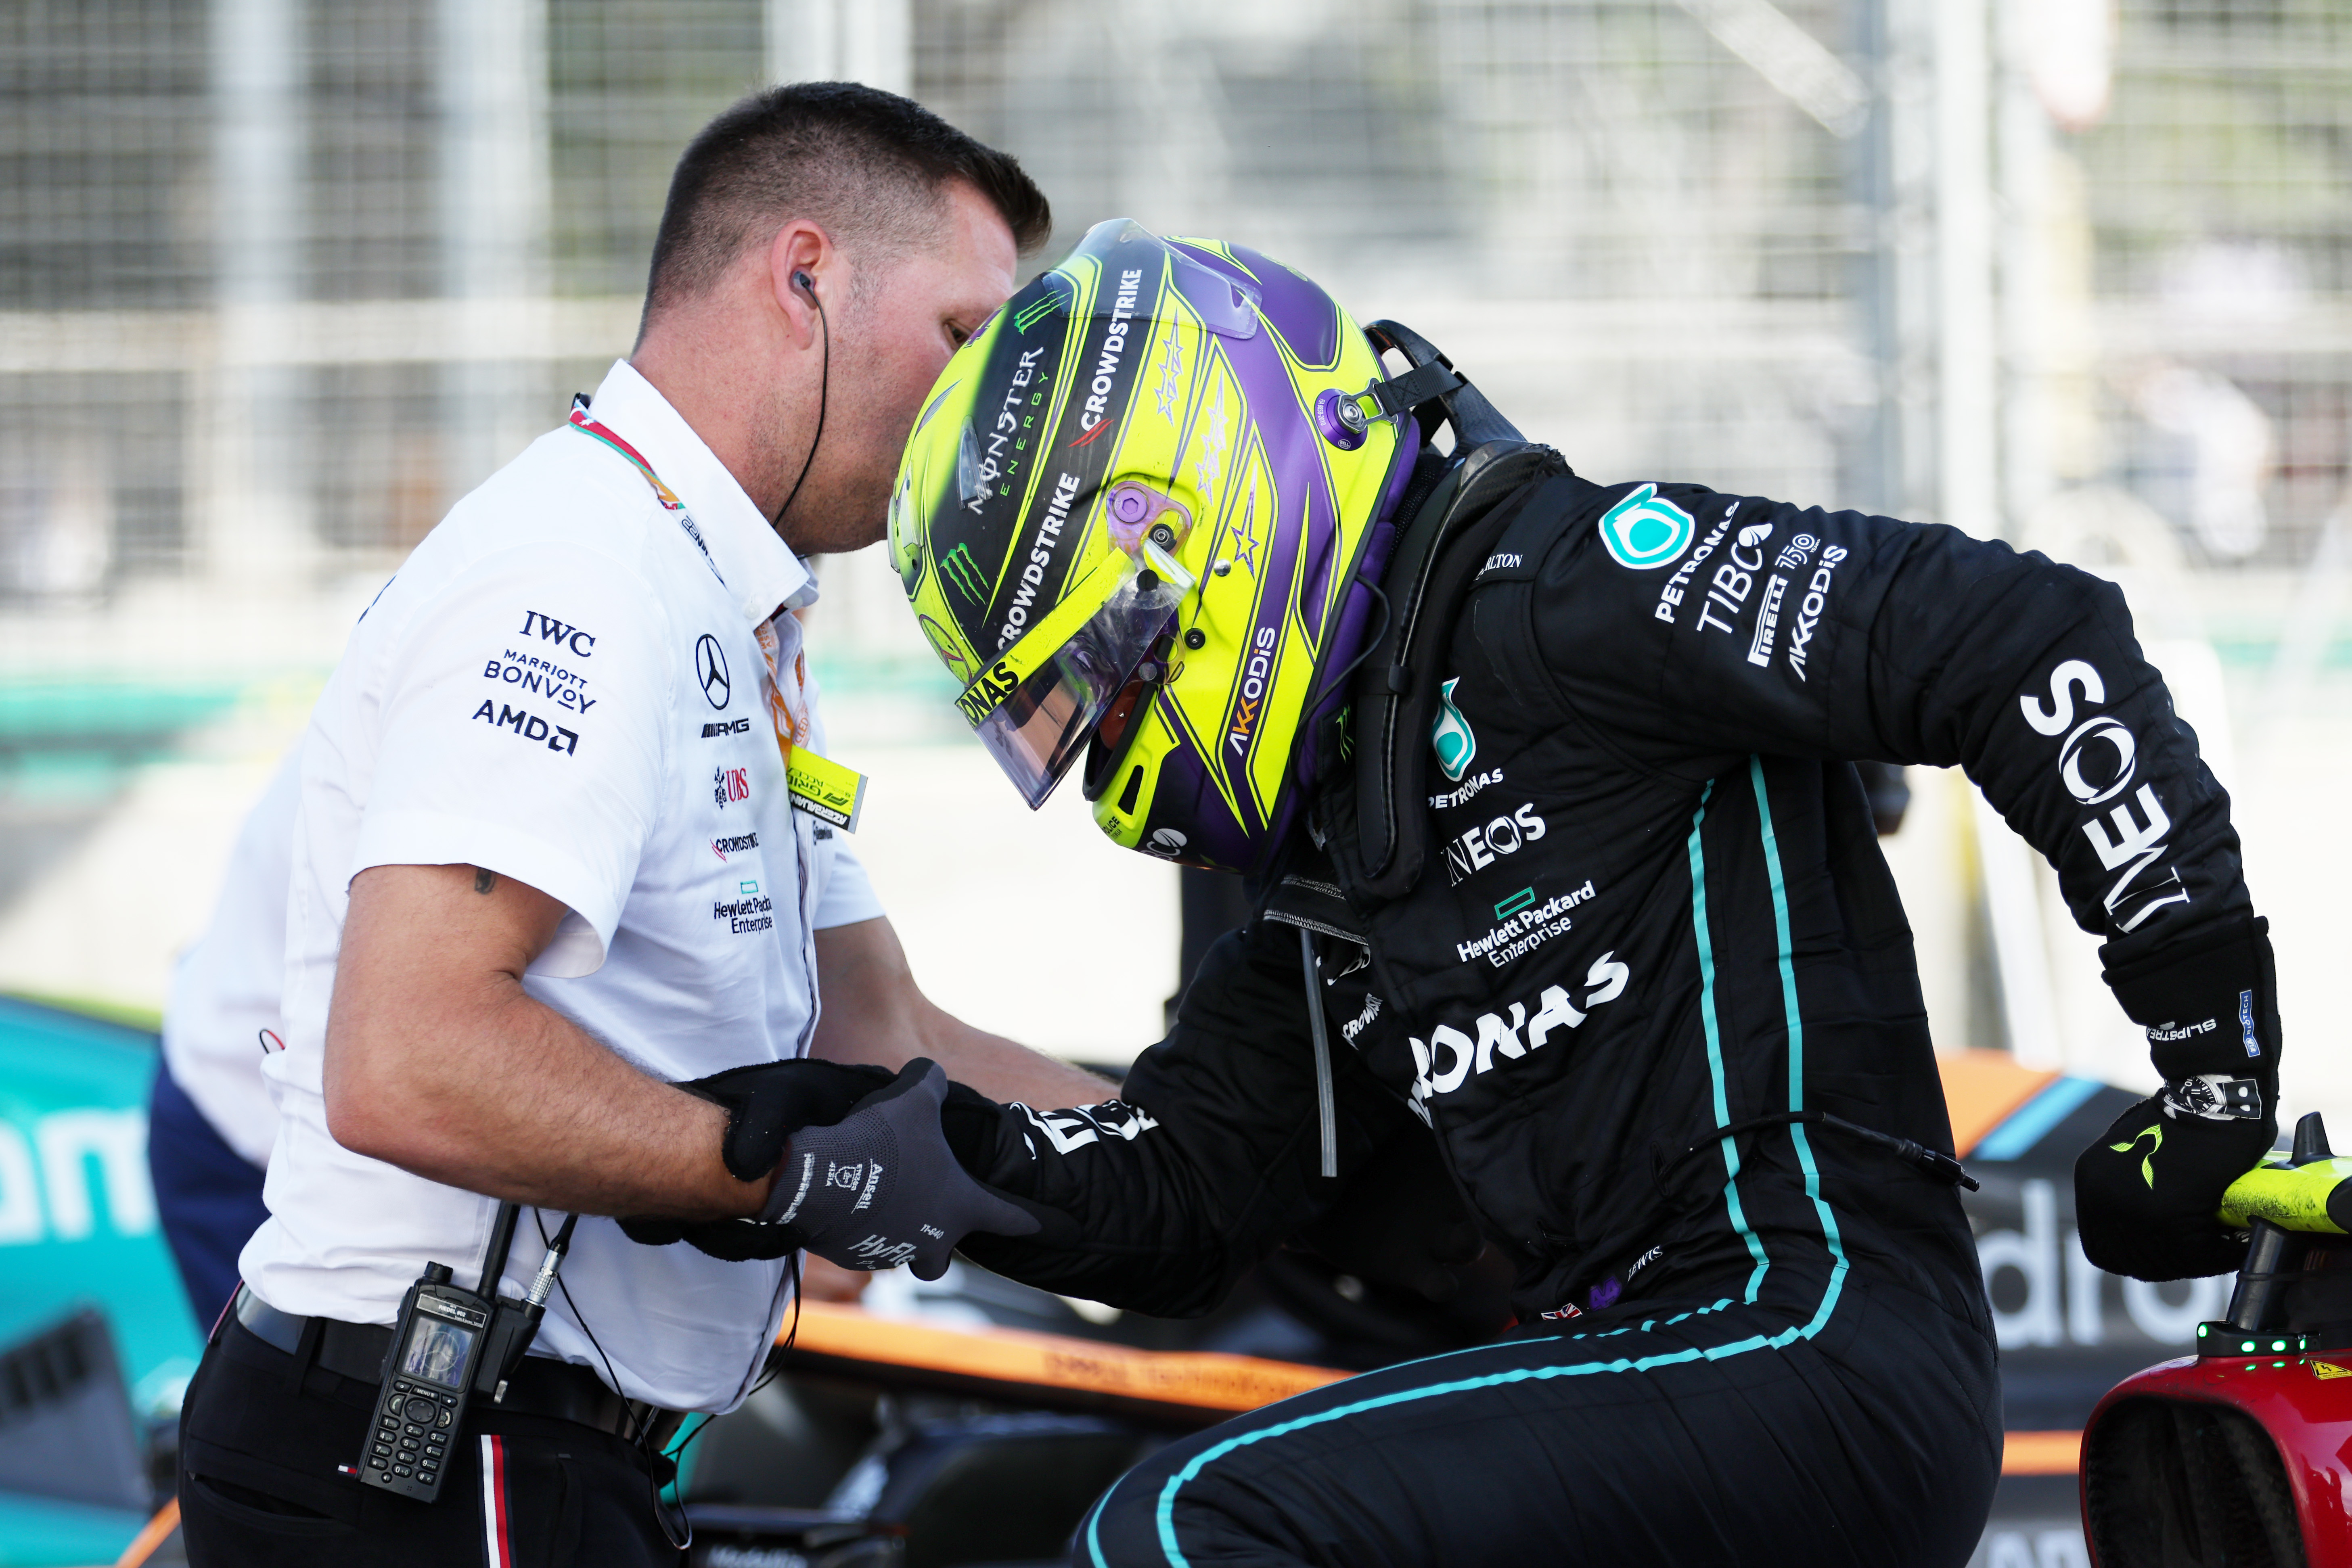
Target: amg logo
727	727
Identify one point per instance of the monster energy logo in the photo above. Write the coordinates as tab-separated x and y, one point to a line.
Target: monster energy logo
2154	1135
958	568
1036	310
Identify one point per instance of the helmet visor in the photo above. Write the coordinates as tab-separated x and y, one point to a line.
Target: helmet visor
1034	707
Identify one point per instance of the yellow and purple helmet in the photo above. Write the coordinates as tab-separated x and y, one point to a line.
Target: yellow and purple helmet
1143	515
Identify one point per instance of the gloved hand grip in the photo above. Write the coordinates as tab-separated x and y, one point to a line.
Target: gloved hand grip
765	1102
2147	1192
881	1187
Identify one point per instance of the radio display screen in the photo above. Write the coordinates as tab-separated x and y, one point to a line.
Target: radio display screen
436	1351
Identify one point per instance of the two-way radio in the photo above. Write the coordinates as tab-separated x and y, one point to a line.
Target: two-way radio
449	1344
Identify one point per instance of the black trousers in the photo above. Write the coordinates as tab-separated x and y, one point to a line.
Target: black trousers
1865	1431
259	1486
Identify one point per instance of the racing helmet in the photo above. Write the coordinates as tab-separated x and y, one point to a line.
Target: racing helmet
1141	517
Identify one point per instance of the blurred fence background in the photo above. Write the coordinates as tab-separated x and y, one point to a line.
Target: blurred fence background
279	279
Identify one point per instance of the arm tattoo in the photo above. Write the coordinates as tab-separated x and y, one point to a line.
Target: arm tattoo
484	880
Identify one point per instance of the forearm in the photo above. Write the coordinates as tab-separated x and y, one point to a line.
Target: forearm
512	1099
455	1072
1005	1069
875	1014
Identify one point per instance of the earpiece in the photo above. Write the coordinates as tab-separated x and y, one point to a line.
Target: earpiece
806	283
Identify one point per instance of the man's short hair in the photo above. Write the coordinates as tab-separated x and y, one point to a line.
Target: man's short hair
869	166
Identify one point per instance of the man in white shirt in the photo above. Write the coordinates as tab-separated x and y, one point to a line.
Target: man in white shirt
548	865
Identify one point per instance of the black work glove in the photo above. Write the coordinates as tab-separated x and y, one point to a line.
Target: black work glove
769	1102
1400	1222
2145	1193
882	1187
765	1103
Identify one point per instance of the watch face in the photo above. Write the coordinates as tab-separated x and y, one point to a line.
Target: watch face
436	1352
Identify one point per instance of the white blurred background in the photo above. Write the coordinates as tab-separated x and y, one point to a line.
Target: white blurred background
279	279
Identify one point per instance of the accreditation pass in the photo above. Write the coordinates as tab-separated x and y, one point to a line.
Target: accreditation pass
830	792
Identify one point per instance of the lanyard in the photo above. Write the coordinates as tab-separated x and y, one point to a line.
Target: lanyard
823	789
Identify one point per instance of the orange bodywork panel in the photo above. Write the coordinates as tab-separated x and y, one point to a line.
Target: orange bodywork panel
1193	1388
1981	1088
1180	1388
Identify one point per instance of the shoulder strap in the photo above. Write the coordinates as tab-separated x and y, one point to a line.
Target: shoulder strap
1395	693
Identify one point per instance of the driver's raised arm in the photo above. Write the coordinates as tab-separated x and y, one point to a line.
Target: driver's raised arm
1786	631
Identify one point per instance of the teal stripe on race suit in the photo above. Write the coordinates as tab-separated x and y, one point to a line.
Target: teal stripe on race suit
1796	1044
1706	1012
1165	1511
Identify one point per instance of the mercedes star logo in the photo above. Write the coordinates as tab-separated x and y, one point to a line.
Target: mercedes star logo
710	669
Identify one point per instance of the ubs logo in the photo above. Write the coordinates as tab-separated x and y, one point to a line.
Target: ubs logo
711	671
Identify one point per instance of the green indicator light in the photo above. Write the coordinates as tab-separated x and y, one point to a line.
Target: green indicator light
2246	1348
2278	1344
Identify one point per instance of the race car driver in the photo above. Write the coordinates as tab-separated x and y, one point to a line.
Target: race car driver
1563	865
549	863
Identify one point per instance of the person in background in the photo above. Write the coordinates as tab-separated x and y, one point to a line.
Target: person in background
209	1122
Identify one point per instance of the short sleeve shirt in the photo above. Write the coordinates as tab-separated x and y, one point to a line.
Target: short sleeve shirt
565	685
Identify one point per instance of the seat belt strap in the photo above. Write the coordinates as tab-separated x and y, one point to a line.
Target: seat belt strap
1403	394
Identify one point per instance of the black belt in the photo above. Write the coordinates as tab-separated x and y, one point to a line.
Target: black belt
558	1390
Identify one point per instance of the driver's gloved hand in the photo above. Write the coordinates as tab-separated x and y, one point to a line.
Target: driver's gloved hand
876	1187
765	1103
2145	1192
882	1186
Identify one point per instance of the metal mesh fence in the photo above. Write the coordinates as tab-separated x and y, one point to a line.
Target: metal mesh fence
1670	230
279	279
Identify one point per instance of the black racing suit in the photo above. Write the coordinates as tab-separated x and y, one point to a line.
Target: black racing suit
1648	905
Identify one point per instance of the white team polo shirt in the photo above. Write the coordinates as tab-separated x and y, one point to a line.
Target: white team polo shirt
564	684
229	986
